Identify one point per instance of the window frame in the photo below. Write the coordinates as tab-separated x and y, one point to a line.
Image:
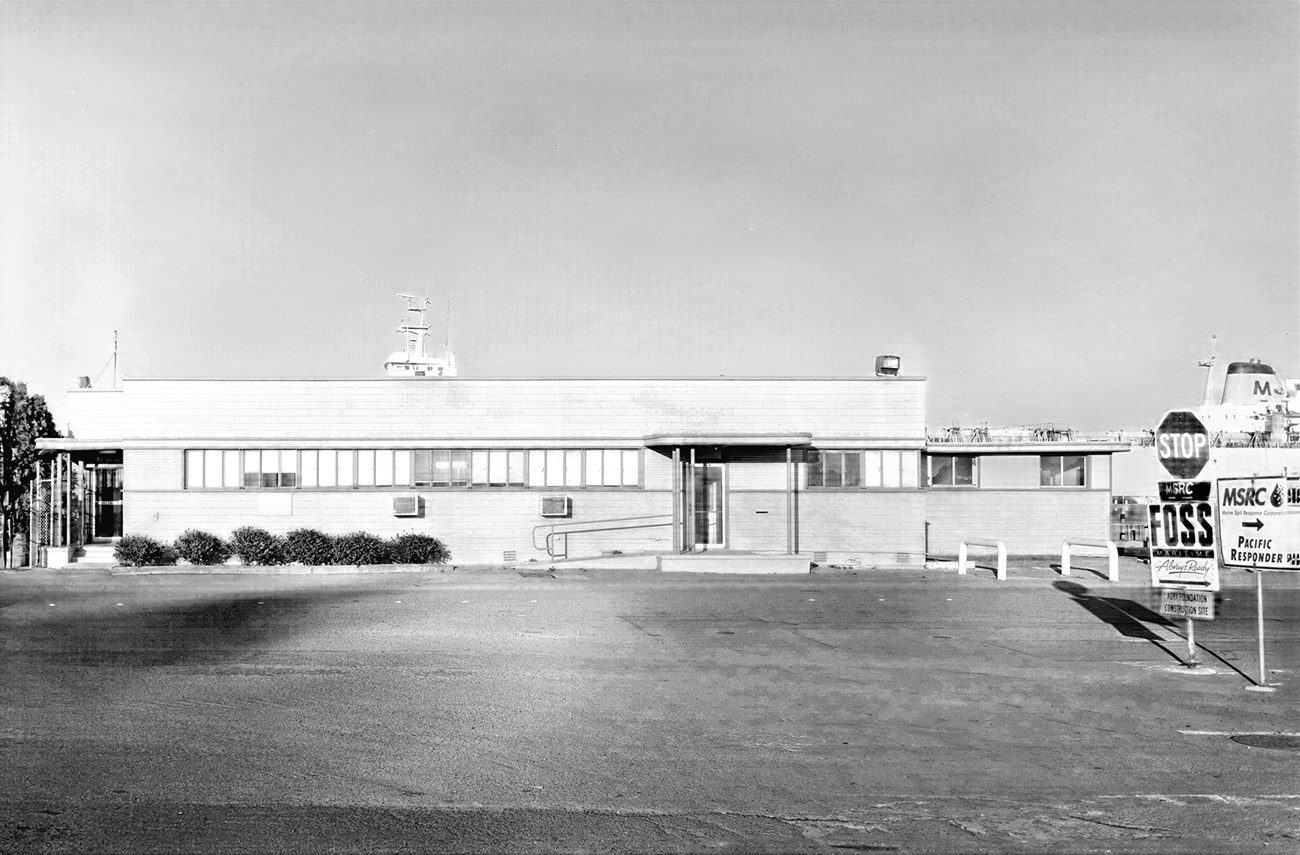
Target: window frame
1084	469
952	483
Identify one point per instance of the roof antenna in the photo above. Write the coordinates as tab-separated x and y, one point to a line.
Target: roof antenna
112	360
1208	365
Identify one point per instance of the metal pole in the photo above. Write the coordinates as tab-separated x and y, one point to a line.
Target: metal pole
789	503
690	503
32	537
56	493
1259	613
677	498
1191	644
67	523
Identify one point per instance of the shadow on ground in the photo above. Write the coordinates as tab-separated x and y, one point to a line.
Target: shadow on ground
1128	617
206	632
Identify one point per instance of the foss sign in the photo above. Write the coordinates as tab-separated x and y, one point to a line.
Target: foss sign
1182	444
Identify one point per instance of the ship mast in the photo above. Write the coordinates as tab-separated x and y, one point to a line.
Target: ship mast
414	324
1208	365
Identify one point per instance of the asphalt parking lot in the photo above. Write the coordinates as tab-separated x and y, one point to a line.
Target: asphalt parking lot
633	711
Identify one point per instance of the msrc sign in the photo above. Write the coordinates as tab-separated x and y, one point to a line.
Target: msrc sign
1182	444
1259	519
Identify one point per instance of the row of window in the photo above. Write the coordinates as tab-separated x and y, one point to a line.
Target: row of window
418	467
962	470
862	468
560	467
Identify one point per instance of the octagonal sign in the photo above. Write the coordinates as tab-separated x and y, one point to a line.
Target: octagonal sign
1182	444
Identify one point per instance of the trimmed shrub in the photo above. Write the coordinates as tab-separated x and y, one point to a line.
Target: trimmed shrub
199	547
257	546
139	550
359	548
308	546
415	548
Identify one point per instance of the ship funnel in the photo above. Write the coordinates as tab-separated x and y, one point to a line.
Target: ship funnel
887	366
1248	382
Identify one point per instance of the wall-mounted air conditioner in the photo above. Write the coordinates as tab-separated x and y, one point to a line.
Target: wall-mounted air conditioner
555	506
406	506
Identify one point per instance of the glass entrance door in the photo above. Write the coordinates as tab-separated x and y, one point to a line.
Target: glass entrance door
710	502
106	486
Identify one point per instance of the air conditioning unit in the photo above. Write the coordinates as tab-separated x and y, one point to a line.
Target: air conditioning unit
406	506
555	506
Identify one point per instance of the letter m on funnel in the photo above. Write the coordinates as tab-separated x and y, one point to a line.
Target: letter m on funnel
1182	444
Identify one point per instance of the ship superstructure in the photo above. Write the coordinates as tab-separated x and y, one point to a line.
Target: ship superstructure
415	362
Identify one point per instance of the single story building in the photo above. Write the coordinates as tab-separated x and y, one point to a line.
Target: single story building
504	470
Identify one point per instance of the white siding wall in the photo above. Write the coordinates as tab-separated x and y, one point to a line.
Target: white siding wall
570	409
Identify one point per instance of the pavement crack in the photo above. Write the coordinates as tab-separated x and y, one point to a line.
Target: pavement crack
1123	825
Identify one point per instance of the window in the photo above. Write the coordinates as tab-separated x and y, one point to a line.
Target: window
631	468
554	467
309	476
365	468
536	468
328	467
889	468
497	474
346	468
478	467
384	468
573	468
953	470
1062	470
835	469
595	466
515	469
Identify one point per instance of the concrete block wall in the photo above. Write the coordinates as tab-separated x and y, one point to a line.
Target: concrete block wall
1029	521
478	525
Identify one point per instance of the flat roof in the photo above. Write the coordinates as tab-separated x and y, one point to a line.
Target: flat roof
1029	447
513	379
656	439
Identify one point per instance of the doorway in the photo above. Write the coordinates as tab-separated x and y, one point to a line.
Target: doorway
709	501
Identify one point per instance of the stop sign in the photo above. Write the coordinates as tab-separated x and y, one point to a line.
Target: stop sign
1182	444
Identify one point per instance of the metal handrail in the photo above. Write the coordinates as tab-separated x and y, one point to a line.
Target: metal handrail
595	525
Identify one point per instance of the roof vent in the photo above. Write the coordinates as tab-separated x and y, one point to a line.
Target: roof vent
887	366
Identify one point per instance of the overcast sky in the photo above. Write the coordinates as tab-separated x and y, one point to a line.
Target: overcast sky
1046	208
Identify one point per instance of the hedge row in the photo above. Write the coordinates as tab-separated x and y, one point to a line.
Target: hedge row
303	546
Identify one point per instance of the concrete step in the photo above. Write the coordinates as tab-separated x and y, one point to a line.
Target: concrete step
736	562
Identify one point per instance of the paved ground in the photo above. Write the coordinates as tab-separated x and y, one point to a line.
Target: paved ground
916	711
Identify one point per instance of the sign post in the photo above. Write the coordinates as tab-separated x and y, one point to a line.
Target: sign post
1186	552
1184	565
1259	525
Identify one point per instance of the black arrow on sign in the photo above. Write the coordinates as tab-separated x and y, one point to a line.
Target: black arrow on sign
1256	525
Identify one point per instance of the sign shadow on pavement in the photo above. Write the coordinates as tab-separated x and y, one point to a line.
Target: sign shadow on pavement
1130	618
1075	567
